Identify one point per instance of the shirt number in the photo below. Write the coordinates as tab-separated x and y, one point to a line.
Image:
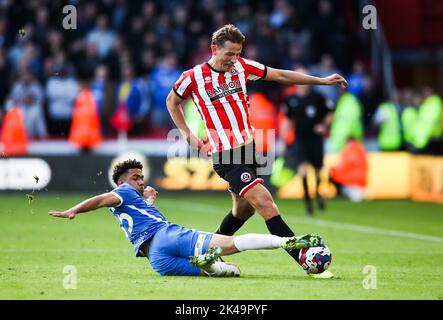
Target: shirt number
127	217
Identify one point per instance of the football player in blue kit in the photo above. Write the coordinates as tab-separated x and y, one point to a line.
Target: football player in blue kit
170	248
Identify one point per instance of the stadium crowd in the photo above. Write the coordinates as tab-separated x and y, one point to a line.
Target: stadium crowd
130	53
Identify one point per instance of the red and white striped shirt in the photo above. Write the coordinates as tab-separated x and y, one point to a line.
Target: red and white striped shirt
221	100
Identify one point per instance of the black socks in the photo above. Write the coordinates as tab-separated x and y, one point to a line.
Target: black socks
278	227
229	225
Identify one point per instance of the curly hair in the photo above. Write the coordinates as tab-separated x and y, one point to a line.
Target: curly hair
227	33
122	167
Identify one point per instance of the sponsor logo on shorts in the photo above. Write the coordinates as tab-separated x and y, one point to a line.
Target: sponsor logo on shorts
245	177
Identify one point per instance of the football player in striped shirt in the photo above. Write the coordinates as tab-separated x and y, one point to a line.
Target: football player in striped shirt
218	89
172	249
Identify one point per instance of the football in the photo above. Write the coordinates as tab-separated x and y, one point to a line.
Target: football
315	259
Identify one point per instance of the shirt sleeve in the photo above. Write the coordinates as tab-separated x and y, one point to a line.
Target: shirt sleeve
115	193
253	70
184	85
122	192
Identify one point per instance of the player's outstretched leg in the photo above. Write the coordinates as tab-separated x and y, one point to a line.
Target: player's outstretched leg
226	245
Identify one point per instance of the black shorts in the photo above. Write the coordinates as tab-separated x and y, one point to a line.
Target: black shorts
238	167
305	150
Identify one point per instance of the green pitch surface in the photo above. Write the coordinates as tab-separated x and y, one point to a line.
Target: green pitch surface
381	250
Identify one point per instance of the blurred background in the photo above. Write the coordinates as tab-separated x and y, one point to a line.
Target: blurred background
72	101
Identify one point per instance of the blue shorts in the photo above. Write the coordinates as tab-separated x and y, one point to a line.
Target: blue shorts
171	248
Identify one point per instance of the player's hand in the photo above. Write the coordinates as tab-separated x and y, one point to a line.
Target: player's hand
335	79
320	129
206	149
150	194
65	214
199	145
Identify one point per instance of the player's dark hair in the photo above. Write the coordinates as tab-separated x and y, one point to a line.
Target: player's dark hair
227	33
122	167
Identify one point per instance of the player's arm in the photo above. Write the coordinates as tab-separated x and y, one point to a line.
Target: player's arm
294	77
324	126
173	103
100	201
328	119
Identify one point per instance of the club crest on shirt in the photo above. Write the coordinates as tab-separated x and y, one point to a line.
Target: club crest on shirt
245	177
208	79
234	71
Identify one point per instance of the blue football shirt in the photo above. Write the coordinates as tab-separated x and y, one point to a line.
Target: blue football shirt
139	219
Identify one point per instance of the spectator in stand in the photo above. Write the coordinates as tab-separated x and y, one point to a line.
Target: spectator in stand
408	116
119	14
269	50
147	62
3	37
101	36
89	13
242	18
135	34
28	94
295	56
61	91
4	77
103	92
17	50
41	25
357	79
114	58
201	53
324	68
178	32
428	137
129	96
387	120
163	78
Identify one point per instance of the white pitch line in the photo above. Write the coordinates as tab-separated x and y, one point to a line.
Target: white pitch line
373	230
204	208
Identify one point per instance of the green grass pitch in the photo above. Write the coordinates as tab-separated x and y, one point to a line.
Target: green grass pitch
402	240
